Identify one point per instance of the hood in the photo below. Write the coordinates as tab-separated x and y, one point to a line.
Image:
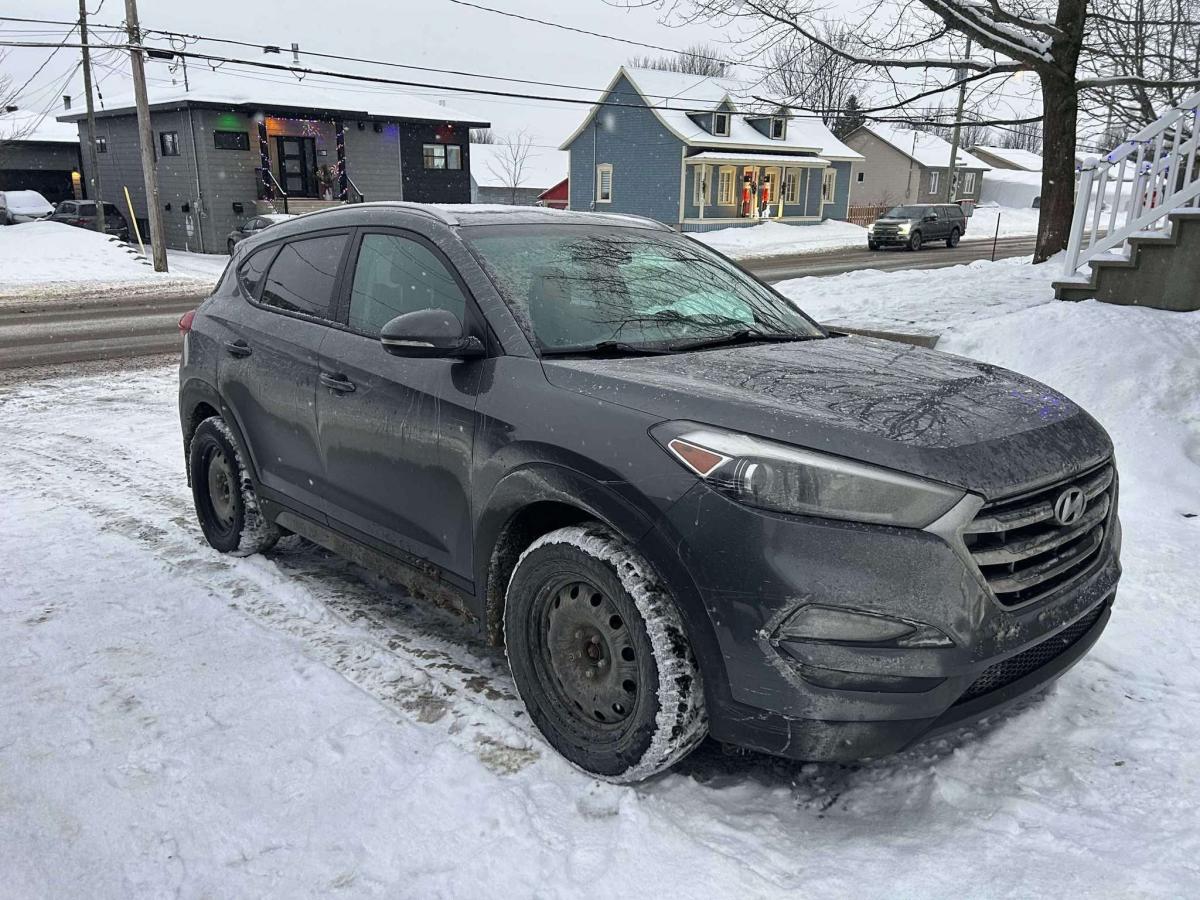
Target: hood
961	422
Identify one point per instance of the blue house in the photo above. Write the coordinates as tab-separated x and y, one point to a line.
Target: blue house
677	148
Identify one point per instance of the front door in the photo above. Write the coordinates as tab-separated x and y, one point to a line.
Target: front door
397	433
297	165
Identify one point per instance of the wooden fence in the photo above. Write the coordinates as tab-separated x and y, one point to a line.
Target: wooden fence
865	215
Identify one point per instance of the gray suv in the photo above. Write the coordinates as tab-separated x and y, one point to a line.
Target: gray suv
915	225
681	505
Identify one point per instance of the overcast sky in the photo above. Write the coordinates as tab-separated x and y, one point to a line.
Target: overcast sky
427	33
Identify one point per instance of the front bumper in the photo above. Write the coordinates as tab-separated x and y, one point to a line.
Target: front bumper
820	700
888	240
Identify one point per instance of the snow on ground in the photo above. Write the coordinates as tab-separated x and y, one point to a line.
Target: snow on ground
778	239
174	721
49	258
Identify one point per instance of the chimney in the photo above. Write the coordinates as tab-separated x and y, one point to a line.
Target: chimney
66	101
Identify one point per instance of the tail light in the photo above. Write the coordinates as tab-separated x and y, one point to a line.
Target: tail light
185	323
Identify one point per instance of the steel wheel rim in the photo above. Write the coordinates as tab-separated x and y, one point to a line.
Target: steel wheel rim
589	660
221	491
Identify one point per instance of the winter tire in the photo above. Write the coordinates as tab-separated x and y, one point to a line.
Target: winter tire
226	504
600	657
914	242
952	241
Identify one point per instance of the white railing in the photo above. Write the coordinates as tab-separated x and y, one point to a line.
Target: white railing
1135	187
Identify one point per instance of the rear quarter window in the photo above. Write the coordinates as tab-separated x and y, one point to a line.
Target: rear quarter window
250	273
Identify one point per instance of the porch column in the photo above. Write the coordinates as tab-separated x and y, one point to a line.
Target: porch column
702	174
340	141
264	154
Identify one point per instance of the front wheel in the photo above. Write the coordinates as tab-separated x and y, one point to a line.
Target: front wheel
226	503
600	656
952	241
871	245
914	242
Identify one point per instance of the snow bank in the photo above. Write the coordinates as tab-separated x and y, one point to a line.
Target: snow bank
176	722
777	239
48	257
1011	187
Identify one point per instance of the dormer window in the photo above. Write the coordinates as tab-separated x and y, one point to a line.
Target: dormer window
778	128
721	124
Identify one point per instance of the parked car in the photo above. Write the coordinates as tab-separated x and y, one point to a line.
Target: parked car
82	214
914	225
253	226
682	505
23	206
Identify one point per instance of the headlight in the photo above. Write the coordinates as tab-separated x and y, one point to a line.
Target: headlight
871	228
904	229
787	479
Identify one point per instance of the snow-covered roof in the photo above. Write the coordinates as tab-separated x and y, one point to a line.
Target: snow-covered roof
764	159
927	149
542	169
1024	160
228	91
30	126
671	96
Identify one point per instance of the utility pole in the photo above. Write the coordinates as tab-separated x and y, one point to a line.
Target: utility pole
962	99
93	159
146	135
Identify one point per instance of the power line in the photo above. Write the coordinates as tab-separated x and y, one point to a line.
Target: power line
38	70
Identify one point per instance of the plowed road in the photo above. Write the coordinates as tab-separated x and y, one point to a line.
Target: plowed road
44	332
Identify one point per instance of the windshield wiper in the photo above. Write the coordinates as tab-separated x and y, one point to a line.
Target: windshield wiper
742	336
606	348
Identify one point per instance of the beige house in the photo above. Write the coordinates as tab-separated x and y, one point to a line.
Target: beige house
906	166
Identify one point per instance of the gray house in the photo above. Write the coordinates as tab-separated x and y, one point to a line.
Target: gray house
907	166
39	154
677	148
223	156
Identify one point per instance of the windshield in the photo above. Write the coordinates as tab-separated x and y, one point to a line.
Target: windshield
579	286
905	212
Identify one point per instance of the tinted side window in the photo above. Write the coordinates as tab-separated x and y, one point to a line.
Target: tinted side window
250	272
302	275
395	275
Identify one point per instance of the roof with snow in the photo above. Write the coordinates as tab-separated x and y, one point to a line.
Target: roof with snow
36	127
671	96
542	168
1024	160
926	149
230	92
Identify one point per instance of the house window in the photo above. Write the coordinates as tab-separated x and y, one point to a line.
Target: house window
969	183
101	145
791	186
725	187
700	187
604	183
721	124
934	178
168	142
442	156
778	128
829	186
862	176
231	140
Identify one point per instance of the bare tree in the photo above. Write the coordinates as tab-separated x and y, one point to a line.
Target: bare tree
814	76
1059	41
11	129
1022	137
696	59
482	136
509	164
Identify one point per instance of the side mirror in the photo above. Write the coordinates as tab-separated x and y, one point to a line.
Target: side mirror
429	332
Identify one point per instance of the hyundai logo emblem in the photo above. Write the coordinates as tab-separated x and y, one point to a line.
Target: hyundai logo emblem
1070	505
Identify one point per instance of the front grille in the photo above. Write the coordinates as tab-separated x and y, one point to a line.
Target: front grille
1022	551
1018	666
886	230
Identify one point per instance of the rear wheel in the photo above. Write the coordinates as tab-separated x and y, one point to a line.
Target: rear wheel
226	504
914	241
952	241
600	657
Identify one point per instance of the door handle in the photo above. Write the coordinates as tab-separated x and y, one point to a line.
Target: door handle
240	349
337	382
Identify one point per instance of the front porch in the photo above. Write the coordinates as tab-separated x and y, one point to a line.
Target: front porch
303	165
729	190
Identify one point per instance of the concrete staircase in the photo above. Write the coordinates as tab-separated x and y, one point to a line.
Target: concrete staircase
297	206
1143	247
1160	269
